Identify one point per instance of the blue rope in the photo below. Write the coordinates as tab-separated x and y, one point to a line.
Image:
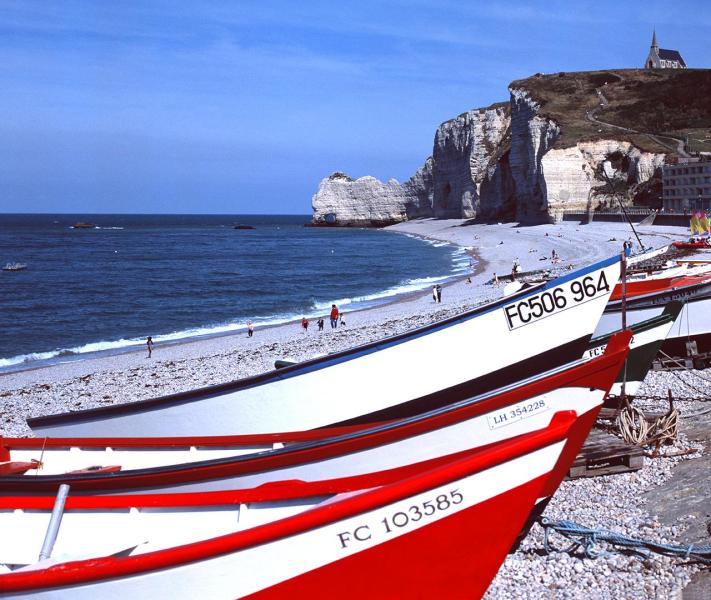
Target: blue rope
587	538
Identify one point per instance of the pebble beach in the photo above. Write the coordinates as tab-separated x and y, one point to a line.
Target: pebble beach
619	502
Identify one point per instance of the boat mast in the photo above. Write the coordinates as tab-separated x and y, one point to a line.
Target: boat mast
622	207
623	306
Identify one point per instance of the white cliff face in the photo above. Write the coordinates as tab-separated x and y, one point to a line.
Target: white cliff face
532	137
463	150
550	180
574	177
496	163
367	201
463	179
570	179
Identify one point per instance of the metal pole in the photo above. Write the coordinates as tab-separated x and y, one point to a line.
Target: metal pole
55	520
622	207
623	285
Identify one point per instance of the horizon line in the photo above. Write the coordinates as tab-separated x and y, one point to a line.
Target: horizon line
188	214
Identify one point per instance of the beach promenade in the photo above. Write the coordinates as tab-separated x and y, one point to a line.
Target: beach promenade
616	502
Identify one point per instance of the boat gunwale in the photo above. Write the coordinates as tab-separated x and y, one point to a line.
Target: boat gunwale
634	302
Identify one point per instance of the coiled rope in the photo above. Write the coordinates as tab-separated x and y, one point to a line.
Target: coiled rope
587	539
636	429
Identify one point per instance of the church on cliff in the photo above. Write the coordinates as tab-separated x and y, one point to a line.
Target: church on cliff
661	58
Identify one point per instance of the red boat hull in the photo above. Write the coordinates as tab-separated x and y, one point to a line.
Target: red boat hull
453	553
455	559
690	245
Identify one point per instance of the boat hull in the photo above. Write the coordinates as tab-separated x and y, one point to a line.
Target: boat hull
487	348
443	532
692	324
647	339
434	436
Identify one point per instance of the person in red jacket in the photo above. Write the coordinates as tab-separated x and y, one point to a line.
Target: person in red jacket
334	316
305	324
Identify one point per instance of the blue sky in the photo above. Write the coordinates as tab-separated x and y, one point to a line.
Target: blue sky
242	107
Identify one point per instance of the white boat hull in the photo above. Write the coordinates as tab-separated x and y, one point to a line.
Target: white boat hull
441	364
693	323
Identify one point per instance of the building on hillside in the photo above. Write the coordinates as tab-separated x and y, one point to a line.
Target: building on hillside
687	186
660	58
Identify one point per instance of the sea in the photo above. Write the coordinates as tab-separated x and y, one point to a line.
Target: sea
103	290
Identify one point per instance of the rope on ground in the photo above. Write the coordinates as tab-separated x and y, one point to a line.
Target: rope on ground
636	429
632	425
587	539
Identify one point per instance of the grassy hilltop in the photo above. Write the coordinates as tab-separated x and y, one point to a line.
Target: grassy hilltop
660	102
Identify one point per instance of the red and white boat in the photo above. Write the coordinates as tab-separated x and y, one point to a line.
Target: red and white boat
647	298
431	532
647	339
639	289
692	244
237	462
489	347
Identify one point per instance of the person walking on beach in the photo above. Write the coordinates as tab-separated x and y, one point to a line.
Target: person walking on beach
343	320
334	316
434	293
304	324
250	329
320	323
149	345
515	269
438	289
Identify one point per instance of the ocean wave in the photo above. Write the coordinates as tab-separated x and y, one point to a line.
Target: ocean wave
65	352
460	263
435	243
137	343
127	344
317	309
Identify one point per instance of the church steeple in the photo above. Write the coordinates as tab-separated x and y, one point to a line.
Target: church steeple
660	58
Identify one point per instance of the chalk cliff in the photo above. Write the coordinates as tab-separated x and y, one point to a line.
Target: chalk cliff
574	176
368	202
545	151
464	178
463	151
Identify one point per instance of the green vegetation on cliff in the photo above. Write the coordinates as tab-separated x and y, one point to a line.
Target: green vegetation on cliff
638	105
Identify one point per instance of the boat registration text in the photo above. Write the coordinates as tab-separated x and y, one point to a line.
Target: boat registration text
400	519
545	304
516	412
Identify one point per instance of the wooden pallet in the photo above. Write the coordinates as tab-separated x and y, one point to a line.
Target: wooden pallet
605	454
610	414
